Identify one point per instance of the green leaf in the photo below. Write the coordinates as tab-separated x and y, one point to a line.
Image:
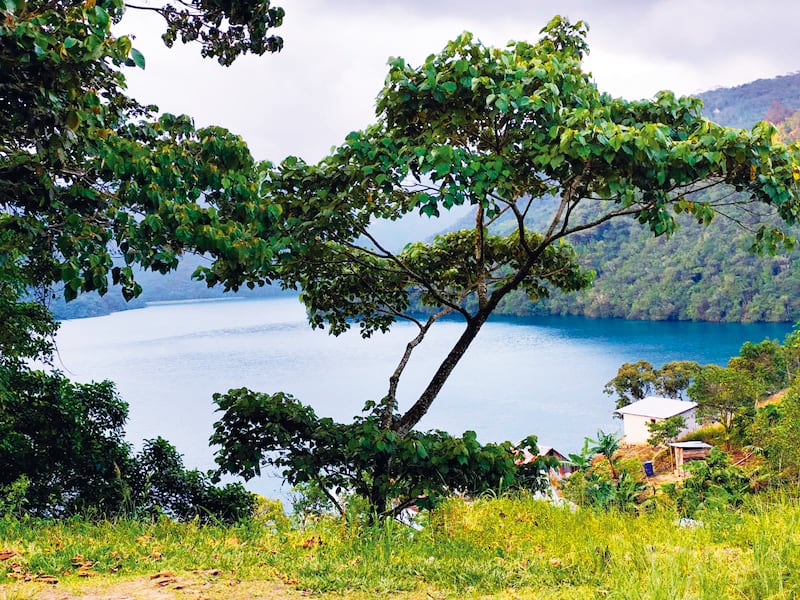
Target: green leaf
73	120
138	58
101	15
421	451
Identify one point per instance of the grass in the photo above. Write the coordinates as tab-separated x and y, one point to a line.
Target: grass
504	547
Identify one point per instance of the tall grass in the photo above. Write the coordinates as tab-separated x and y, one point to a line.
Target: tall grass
513	546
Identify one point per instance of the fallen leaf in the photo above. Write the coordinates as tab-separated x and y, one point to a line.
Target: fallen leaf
5	554
162	574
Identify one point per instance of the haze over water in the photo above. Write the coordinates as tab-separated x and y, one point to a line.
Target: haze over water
540	375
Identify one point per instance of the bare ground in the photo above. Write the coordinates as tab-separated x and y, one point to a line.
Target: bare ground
161	586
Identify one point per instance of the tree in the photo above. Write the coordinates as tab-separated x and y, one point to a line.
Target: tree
92	183
766	363
779	429
516	132
636	381
65	441
88	175
665	431
633	382
390	471
675	377
721	393
777	112
606	444
225	30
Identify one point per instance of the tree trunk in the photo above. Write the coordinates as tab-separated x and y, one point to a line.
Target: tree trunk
413	415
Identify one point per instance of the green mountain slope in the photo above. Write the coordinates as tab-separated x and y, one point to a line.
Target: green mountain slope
704	274
700	273
745	105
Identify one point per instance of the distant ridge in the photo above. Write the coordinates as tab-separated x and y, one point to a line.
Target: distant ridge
744	105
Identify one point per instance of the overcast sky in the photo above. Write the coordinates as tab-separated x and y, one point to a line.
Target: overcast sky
323	84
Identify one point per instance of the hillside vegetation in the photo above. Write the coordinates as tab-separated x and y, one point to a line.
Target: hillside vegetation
703	274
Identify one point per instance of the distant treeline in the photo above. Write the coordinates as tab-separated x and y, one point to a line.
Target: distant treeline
177	285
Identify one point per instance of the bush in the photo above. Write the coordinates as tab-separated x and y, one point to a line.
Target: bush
779	428
713	484
62	452
335	460
710	434
160	484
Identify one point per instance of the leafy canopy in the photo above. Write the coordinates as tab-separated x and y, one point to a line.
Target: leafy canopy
389	470
520	131
636	381
91	182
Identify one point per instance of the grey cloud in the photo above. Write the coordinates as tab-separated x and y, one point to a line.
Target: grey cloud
323	84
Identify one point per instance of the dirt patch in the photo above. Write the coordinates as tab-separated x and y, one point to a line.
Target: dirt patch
160	586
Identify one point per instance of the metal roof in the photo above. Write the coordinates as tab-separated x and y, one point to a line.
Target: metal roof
690	445
656	407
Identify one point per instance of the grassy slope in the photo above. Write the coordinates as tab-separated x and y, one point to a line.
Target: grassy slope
490	548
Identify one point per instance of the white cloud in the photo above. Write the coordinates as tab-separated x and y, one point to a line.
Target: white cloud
323	84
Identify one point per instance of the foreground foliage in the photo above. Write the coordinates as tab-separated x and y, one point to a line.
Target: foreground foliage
520	131
92	183
62	452
508	545
389	471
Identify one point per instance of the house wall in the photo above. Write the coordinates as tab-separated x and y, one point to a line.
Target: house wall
691	421
635	426
635	429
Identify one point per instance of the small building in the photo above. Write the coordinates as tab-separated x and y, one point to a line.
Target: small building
564	468
688	451
636	416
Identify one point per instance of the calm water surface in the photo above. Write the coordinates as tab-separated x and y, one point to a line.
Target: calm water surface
541	375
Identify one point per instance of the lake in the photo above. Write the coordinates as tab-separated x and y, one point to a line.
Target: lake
541	375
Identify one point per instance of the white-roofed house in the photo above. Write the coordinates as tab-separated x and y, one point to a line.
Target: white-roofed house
636	416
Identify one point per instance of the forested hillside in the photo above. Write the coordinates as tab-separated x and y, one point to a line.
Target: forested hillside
700	273
704	274
177	285
744	105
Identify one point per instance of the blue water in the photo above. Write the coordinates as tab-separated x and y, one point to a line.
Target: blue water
542	376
